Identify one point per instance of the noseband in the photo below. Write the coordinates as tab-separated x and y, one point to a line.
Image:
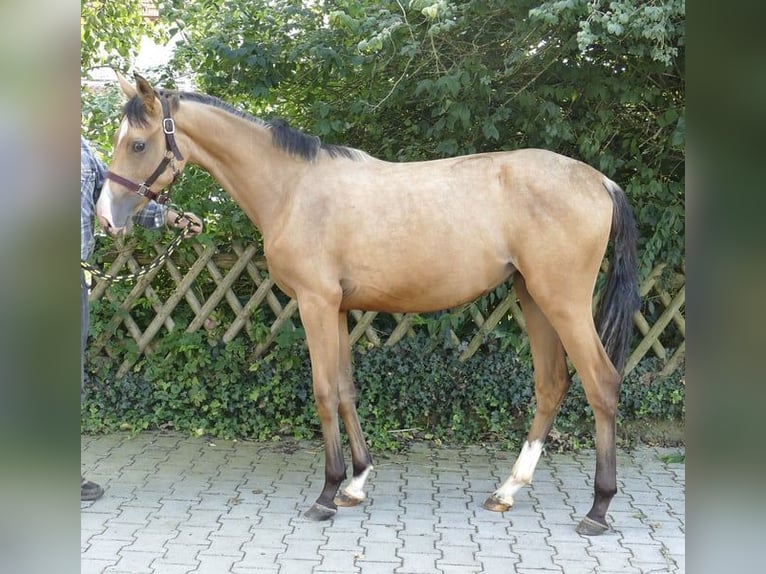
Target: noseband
172	154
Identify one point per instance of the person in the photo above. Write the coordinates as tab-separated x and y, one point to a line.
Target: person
153	216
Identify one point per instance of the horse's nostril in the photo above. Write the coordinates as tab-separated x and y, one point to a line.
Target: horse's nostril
105	223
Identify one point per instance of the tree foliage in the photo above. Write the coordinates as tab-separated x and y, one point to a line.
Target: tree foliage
110	33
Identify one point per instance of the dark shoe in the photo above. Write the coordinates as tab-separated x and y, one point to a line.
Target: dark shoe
90	490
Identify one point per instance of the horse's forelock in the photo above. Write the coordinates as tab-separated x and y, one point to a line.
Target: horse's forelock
135	112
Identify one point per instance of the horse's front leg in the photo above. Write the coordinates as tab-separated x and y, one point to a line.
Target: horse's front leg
319	316
353	493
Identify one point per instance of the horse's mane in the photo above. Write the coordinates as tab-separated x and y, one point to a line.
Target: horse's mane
283	136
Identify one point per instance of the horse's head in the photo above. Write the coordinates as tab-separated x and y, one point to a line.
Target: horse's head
146	158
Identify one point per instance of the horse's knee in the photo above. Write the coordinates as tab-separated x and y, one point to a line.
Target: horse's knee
326	402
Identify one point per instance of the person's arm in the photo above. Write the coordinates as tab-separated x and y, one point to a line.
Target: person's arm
154	216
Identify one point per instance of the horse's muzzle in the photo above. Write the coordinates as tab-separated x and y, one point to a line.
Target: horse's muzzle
107	226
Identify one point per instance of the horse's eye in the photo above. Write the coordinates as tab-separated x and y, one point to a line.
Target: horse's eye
138	146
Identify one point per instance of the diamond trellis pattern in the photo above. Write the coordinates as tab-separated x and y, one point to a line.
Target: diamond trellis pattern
223	292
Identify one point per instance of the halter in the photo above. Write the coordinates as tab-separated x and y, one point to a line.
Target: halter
172	154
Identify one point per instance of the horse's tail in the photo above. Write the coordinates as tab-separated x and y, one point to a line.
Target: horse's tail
620	300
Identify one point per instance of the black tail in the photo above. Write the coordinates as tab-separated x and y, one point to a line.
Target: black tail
614	318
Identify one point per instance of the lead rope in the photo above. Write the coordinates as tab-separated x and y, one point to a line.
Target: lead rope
156	262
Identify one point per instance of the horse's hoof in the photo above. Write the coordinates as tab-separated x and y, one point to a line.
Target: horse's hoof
589	527
494	504
343	499
319	512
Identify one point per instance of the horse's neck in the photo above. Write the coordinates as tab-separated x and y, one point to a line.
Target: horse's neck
239	154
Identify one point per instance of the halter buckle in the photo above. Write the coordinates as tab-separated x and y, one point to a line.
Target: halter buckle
168	126
144	190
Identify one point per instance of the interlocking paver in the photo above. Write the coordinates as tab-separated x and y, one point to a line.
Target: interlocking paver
380	552
337	561
214	563
458	555
417	563
135	561
95	565
176	504
183	553
419	544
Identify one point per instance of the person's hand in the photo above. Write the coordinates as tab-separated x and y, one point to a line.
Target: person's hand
188	219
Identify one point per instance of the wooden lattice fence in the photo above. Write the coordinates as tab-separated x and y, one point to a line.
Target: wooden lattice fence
231	295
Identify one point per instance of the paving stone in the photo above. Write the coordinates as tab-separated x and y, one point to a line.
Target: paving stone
495	548
539	559
241	528
460	555
169	568
224	546
194	535
380	552
577	566
423	524
117	531
370	567
149	542
105	549
385	517
137	561
214	564
419	544
257	556
132	515
455	536
577	550
499	564
94	565
263	569
302	550
294	566
460	569
337	561
183	553
342	540
417	563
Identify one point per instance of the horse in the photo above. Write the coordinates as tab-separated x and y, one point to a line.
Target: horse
344	231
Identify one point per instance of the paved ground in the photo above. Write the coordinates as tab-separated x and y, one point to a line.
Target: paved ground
175	504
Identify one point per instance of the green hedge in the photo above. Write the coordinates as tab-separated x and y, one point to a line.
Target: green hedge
410	391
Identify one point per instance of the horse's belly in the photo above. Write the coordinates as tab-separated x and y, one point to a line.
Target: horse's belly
421	291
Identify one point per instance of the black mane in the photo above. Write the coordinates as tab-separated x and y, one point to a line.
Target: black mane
283	137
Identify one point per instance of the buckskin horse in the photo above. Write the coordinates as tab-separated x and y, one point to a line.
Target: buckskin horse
343	230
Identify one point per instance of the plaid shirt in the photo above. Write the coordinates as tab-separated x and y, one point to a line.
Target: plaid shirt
92	176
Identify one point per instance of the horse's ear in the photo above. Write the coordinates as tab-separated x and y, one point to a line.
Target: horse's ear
127	88
146	91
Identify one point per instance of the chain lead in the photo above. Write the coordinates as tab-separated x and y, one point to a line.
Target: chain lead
156	262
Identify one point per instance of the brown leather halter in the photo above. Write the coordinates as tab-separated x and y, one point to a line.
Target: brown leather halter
172	154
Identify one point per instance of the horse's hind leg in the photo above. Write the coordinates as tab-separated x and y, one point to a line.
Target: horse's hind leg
353	493
570	313
551	384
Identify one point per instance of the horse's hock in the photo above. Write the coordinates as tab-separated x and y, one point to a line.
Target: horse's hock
223	291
